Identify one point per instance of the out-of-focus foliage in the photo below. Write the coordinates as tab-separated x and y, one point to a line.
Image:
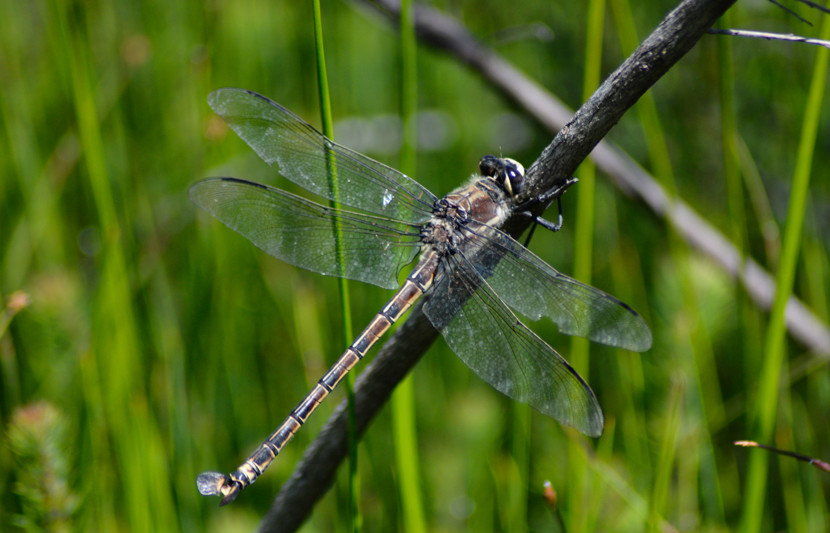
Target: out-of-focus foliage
161	344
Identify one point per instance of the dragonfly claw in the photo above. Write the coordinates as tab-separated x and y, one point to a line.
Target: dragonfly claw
216	483
230	491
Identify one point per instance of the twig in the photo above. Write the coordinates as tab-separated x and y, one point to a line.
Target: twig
663	48
814	5
790	37
790	11
821	465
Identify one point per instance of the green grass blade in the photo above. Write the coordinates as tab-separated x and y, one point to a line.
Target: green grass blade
141	477
666	458
343	286
774	364
403	400
582	505
700	364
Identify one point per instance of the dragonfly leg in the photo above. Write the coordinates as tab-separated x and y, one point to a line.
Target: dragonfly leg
525	209
547	224
539	221
551	194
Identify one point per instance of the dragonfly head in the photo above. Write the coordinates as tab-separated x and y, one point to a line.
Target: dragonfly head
508	173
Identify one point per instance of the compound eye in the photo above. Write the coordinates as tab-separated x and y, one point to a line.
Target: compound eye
488	166
516	176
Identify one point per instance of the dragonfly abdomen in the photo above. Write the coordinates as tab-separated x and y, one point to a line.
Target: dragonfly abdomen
229	486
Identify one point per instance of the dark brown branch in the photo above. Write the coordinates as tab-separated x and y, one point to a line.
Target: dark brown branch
443	32
670	41
663	48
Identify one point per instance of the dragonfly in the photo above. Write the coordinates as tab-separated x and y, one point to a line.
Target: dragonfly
473	275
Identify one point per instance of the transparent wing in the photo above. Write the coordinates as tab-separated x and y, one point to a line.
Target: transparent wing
301	232
490	340
535	289
302	153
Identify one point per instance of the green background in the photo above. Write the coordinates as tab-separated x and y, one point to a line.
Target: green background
158	344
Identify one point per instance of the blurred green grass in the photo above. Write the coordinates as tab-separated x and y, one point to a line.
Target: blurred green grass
168	345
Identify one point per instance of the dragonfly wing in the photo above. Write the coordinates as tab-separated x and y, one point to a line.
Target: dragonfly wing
301	232
304	154
535	289
490	340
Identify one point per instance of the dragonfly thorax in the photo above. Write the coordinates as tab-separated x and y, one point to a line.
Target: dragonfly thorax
442	231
